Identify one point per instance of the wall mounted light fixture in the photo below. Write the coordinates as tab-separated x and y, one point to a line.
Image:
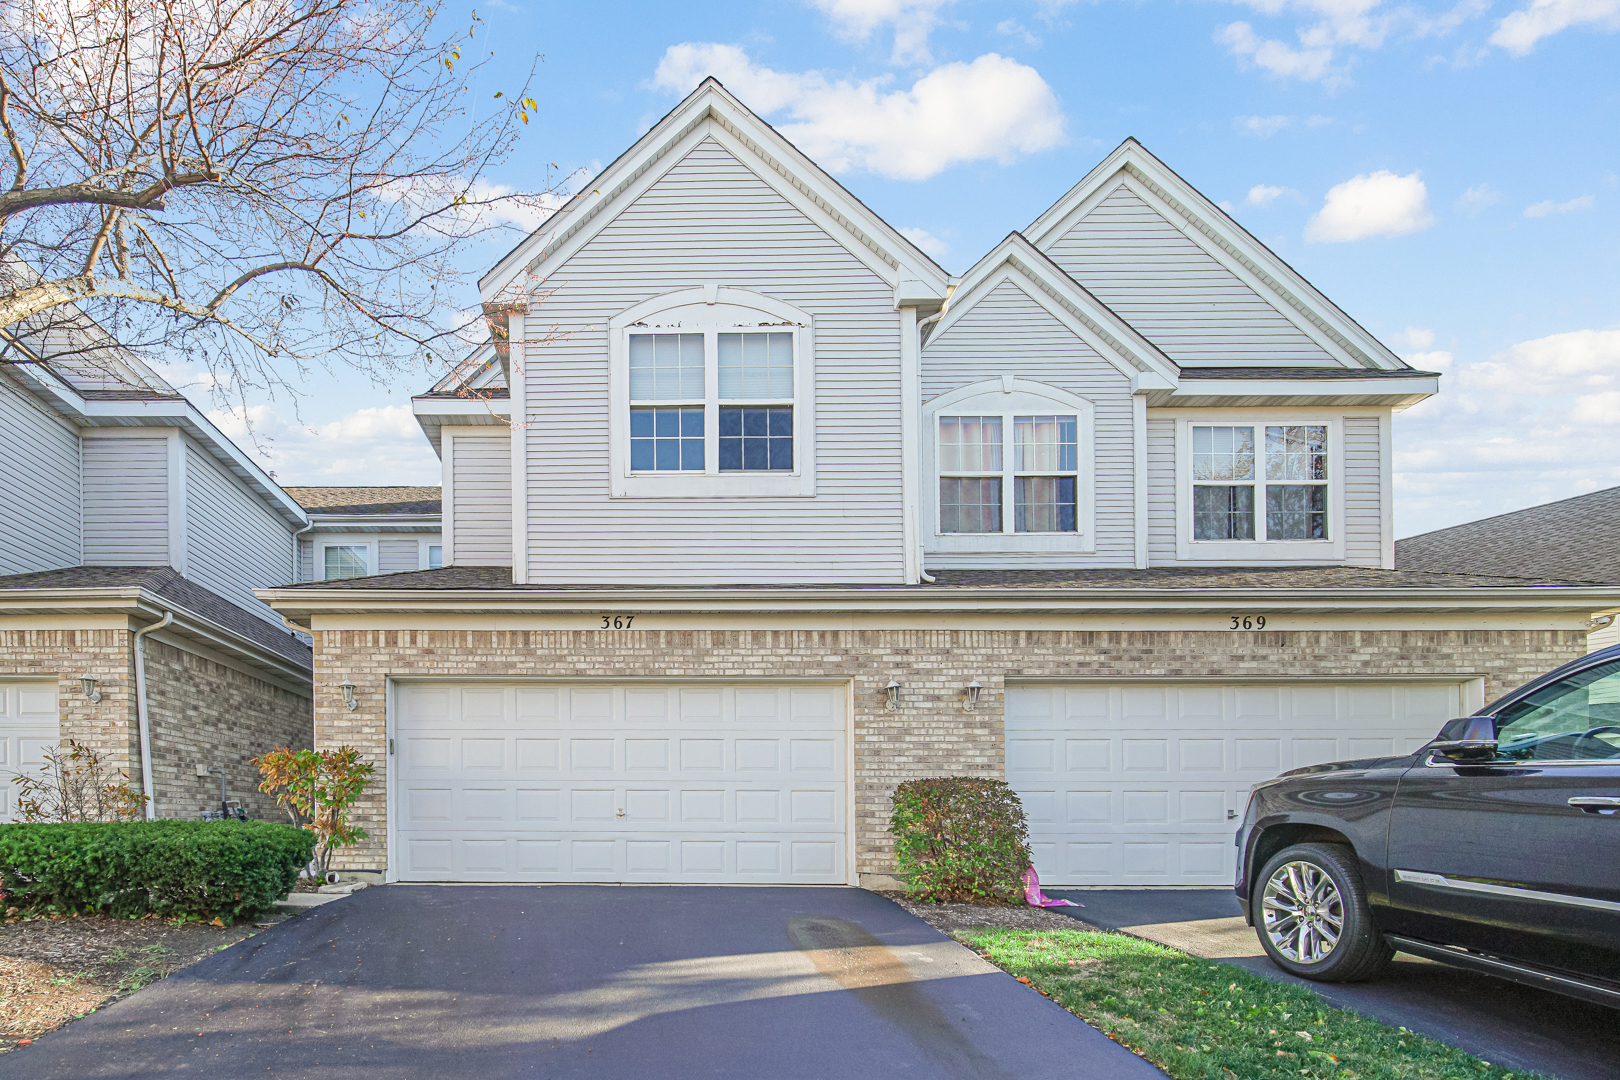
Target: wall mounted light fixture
87	683
349	699
971	692
893	692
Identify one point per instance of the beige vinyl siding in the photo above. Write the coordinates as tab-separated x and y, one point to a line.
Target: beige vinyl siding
1161	490
1363	497
1008	333
234	542
1603	637
39	486
1173	292
126	501
709	218
481	498
397	554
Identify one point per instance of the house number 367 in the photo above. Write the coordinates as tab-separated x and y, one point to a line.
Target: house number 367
616	622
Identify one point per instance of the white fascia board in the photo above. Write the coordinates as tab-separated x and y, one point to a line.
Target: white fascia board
307	602
1301	391
1228	243
433	414
182	414
1087	317
712	110
324	524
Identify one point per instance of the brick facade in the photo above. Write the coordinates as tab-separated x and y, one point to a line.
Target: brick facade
201	712
930	735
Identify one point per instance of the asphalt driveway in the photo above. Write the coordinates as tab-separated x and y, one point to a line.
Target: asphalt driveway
1519	1027
489	982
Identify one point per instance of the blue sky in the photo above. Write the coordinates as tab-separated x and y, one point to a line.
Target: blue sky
1449	175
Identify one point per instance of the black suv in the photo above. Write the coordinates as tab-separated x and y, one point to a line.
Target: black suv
1496	847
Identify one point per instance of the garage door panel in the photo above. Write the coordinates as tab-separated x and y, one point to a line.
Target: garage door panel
1126	784
29	728
641	783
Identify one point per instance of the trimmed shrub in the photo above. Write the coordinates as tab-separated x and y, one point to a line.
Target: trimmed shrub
959	838
225	869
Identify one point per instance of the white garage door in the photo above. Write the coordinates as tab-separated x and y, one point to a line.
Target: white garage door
679	783
1132	784
29	726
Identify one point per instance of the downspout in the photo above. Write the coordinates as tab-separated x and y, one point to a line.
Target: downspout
141	713
297	555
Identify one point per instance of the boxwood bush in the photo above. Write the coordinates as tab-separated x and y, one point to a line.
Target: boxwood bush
959	838
210	869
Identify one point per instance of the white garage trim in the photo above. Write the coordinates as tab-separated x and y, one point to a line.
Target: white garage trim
667	781
1140	782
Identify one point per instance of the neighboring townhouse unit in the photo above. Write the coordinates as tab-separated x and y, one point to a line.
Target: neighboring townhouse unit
134	534
365	531
1570	538
751	512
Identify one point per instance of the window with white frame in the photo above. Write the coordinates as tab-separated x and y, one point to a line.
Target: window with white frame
345	561
432	556
711	391
1012	468
1260	482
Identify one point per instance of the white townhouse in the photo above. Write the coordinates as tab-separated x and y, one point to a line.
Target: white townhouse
132	536
752	511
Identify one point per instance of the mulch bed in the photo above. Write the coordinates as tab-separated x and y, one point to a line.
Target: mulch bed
53	971
948	917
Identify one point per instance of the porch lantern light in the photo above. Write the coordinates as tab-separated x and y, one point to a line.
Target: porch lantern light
87	683
349	700
893	692
971	690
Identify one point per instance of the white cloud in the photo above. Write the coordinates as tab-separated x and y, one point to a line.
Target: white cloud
1318	121
1308	63
1266	194
1477	199
368	446
930	244
1374	204
1547	207
1510	431
993	109
1416	337
1015	29
913	21
1326	28
1260	127
1520	31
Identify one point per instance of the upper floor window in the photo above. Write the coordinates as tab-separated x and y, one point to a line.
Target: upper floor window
432	556
1240	470
345	561
1012	467
712	396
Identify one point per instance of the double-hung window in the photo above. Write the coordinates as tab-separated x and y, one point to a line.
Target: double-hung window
1012	470
1260	482
345	561
712	395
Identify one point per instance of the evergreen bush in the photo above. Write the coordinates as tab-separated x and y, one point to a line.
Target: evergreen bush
960	838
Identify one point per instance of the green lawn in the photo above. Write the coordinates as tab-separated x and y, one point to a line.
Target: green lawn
1199	1020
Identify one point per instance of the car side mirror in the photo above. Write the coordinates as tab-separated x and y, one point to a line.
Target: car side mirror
1467	740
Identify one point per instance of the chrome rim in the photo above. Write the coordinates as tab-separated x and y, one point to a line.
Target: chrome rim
1302	912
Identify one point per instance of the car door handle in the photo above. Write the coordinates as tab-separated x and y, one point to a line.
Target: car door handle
1596	804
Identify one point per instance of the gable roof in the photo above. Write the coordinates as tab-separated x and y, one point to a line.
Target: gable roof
1068	301
776	160
367	501
1230	244
1574	537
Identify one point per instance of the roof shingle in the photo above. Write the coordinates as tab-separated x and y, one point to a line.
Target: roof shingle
1577	537
368	501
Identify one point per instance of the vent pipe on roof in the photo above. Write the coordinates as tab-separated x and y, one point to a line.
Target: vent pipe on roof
141	716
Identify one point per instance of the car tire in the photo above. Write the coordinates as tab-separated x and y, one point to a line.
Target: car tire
1310	912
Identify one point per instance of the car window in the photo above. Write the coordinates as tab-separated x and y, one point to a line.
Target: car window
1574	719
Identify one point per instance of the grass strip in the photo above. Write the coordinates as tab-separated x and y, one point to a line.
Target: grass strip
1199	1020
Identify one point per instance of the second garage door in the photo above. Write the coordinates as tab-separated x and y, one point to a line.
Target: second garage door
644	783
1140	783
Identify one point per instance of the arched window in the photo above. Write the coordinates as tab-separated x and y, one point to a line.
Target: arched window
712	396
1011	463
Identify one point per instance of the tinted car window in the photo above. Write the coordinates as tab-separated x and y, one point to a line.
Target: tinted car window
1574	719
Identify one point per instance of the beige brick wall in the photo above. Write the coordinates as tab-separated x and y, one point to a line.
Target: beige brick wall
930	735
200	709
204	713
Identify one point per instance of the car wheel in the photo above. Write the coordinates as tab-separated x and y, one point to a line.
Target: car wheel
1311	914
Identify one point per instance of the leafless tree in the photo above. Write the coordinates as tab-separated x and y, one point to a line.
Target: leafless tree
252	186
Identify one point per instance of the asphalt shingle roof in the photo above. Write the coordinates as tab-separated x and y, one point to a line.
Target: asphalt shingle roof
1577	537
368	501
1159	578
166	583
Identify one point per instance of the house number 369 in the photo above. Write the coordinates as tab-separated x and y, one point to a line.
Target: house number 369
1247	622
616	622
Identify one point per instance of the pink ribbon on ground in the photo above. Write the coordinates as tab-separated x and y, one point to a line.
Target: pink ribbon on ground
1035	898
